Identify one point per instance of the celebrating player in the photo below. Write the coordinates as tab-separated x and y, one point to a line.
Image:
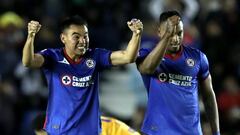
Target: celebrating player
72	74
172	73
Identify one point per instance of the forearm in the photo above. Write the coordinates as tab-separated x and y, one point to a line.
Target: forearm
150	63
129	54
28	51
212	112
133	47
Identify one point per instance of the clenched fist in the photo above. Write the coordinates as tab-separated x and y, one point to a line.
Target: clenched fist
33	27
135	26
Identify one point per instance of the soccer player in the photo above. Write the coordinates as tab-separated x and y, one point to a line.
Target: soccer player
72	74
172	73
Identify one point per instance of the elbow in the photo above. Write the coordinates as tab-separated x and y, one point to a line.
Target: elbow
26	64
130	60
146	68
146	71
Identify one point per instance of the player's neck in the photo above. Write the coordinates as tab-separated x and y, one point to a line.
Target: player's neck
174	52
76	58
174	55
73	57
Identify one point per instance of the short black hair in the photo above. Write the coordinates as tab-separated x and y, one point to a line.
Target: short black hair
76	20
165	15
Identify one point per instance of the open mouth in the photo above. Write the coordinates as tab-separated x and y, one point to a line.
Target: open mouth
80	47
174	45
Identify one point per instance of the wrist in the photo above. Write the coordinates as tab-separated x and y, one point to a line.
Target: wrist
31	35
137	33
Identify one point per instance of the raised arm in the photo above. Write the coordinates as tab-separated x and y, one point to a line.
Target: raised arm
210	104
29	58
166	30
150	63
129	55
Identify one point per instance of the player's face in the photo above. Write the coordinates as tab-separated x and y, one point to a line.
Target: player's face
76	40
176	38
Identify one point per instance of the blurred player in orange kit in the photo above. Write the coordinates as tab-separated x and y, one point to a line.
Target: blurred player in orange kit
110	126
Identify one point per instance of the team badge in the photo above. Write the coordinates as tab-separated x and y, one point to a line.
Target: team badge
66	80
190	62
90	63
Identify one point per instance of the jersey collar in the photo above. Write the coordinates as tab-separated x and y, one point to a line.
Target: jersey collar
175	56
71	61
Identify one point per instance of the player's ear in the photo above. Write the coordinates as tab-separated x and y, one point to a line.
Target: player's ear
62	37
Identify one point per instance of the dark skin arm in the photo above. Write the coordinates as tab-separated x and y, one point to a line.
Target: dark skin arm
150	63
209	101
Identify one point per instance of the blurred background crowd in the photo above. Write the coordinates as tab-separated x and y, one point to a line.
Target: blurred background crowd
212	26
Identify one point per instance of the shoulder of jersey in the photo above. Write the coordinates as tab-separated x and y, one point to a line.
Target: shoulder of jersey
192	49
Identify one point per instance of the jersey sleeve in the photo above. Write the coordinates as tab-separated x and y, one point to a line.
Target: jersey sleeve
48	55
142	54
204	67
103	58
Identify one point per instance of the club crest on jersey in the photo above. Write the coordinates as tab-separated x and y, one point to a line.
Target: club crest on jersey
66	80
90	63
190	62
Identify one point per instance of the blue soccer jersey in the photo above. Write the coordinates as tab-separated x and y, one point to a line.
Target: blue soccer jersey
73	103
173	107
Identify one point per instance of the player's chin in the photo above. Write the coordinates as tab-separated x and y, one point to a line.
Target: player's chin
174	48
80	52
